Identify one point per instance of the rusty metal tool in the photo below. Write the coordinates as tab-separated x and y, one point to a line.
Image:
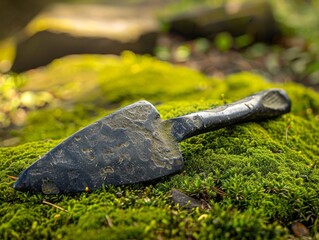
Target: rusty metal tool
134	145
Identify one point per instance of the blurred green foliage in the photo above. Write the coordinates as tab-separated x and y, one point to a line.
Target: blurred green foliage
14	104
223	41
299	19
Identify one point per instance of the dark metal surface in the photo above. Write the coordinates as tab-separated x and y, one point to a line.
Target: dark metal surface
134	145
262	105
128	146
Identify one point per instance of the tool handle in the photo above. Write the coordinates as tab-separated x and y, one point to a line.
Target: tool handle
262	105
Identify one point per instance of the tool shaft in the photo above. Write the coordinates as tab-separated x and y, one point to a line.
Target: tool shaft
262	105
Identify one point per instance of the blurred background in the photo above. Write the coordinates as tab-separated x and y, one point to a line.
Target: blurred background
280	37
33	33
278	40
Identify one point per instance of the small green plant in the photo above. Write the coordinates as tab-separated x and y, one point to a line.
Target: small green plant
223	41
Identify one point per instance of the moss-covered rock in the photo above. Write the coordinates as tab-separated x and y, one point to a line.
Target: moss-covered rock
256	178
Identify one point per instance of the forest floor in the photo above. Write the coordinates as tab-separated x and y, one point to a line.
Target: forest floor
284	61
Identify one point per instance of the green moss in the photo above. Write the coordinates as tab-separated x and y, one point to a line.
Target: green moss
258	178
149	79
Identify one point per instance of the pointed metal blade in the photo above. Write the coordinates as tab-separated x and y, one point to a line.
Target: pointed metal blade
131	145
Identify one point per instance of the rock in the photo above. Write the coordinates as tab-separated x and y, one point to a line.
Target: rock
299	230
254	19
65	29
183	200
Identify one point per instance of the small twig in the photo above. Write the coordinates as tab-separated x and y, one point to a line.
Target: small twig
53	205
287	132
205	205
109	221
219	191
13	178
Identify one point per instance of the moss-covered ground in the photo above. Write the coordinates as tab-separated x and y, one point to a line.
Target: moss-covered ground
256	179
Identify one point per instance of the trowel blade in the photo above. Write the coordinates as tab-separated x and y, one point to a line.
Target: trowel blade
131	145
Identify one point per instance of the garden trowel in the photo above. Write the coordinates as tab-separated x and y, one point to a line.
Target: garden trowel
134	145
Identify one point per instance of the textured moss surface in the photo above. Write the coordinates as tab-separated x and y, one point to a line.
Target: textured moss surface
257	178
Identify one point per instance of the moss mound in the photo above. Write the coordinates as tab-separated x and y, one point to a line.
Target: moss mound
257	179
